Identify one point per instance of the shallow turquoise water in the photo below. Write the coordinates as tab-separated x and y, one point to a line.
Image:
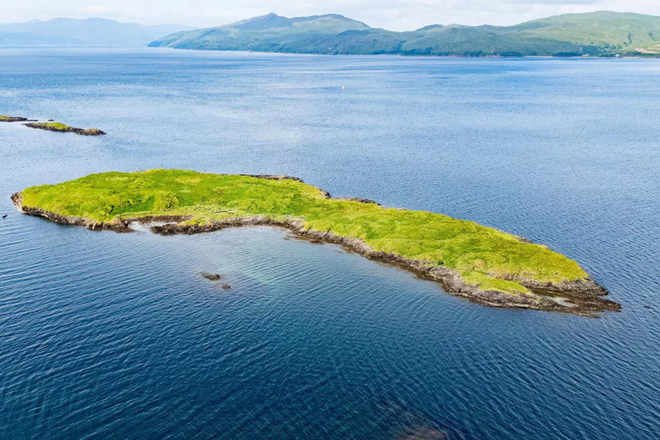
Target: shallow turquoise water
108	335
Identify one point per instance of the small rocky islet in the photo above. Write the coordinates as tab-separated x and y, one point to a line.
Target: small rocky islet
62	128
51	125
13	119
216	278
481	264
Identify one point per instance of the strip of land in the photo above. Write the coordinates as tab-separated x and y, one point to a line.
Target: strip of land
12	119
62	128
53	126
482	264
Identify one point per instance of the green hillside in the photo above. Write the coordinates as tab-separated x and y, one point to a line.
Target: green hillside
269	33
615	32
596	34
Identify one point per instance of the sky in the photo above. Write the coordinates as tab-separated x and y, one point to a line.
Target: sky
397	15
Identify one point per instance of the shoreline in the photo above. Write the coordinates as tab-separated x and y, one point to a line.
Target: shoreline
580	297
423	56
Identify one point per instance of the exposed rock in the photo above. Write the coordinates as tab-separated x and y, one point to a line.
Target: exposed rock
357	199
212	276
89	132
117	225
215	277
159	219
273	177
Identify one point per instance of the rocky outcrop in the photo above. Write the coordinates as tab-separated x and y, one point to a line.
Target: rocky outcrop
273	177
216	278
357	199
580	297
60	128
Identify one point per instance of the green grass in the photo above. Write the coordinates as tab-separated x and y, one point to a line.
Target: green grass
55	125
614	32
484	256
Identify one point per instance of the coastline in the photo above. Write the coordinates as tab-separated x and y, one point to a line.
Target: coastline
422	56
579	297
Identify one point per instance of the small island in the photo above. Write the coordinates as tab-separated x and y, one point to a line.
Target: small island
62	128
482	264
12	119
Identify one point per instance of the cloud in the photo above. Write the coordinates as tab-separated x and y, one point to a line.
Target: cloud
389	14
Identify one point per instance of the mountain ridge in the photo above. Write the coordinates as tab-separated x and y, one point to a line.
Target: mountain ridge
600	33
83	32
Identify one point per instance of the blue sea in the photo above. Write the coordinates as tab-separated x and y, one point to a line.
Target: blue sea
106	335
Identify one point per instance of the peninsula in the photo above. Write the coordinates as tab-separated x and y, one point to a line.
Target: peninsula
482	264
62	128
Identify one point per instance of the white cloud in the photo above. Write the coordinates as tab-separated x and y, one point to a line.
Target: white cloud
390	14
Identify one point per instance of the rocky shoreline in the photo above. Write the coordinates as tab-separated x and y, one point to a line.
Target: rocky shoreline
580	297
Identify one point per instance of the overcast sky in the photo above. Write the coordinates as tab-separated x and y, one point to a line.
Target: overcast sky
389	14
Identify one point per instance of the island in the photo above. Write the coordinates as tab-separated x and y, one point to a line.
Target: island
62	128
12	119
482	264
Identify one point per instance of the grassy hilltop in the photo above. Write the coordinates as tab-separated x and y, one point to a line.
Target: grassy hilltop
597	33
483	256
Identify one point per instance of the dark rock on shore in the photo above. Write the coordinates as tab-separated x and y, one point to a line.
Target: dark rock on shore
273	177
159	219
357	199
117	225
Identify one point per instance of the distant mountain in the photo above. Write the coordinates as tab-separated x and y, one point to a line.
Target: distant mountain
597	34
269	33
89	32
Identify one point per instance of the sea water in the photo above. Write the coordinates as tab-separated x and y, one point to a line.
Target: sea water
106	335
